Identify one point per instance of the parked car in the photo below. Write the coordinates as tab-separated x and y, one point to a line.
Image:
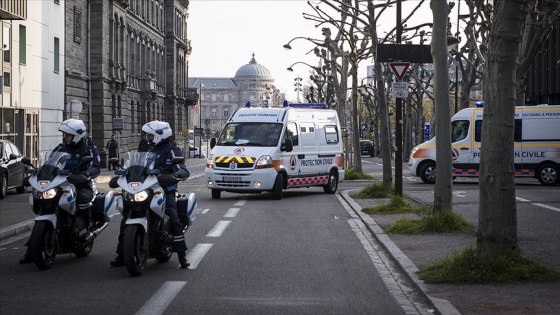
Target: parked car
194	153
366	148
12	170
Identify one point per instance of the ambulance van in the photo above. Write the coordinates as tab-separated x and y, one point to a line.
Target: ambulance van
277	148
536	145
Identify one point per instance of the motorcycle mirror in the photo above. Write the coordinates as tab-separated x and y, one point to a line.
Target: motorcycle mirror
26	161
113	182
178	160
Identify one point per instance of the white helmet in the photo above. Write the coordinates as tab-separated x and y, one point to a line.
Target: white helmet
159	129
75	127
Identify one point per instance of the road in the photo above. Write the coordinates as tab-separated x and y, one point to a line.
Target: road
305	254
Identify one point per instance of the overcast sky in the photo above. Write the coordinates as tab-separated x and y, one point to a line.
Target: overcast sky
225	33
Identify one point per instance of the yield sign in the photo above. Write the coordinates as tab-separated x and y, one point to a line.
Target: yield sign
399	69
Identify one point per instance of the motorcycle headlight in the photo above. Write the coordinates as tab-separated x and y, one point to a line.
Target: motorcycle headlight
137	197
48	194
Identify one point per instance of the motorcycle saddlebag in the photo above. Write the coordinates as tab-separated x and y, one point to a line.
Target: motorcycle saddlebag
103	206
186	207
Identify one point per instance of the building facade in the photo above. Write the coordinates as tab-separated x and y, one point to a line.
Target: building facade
32	80
220	97
127	65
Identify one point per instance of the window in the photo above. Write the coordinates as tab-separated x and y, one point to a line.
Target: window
292	133
226	97
57	1
459	130
7	79
22	44
226	113
6	44
331	134
56	55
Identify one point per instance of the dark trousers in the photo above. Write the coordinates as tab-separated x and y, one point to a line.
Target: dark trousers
178	244
111	155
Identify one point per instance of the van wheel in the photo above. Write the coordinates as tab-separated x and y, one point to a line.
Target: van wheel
428	173
277	188
549	174
332	185
216	194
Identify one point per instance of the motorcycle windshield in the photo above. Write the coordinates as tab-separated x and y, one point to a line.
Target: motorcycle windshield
137	164
55	162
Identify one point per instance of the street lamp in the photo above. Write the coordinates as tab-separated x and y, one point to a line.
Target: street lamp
288	47
298	87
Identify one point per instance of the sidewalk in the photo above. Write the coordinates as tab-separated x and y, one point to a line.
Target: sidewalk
417	251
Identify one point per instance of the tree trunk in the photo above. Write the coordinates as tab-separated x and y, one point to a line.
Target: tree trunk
443	196
497	224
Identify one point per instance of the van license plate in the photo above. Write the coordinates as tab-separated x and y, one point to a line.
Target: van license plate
231	178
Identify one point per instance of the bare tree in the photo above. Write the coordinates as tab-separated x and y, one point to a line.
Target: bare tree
444	182
497	224
542	18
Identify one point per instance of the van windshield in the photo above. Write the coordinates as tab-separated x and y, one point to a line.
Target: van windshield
251	134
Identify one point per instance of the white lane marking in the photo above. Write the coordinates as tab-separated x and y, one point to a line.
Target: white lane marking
522	200
240	202
197	253
159	302
231	213
218	229
204	211
547	207
460	193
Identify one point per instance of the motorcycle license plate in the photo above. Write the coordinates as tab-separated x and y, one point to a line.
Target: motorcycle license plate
231	178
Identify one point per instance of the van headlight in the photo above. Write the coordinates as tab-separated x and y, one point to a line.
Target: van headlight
137	197
264	161
414	151
209	161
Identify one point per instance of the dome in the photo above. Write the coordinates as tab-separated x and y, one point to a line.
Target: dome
253	70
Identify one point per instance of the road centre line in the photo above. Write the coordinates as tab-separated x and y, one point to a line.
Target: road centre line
159	302
232	213
218	229
240	202
197	253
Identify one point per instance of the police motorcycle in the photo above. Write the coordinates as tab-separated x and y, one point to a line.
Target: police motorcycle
59	227
147	231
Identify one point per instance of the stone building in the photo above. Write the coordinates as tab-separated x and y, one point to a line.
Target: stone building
220	97
126	63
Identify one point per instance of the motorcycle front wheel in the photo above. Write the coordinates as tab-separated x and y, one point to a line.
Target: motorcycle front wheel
42	244
135	249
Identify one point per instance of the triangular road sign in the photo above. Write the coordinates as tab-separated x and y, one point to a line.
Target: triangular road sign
399	69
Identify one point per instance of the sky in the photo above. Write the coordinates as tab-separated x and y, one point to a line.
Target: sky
225	33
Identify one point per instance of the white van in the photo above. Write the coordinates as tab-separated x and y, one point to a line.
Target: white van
277	148
536	146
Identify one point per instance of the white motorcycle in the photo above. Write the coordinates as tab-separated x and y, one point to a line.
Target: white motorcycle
59	228
147	231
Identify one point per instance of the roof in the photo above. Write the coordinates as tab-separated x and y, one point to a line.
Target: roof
253	70
212	83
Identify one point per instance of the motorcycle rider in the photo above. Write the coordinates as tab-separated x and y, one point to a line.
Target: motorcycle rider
77	144
161	144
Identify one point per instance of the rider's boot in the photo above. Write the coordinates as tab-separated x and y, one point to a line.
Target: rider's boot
118	261
183	259
26	259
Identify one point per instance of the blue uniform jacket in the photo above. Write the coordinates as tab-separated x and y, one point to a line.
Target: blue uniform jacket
164	154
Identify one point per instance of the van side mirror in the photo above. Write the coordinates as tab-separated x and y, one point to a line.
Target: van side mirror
287	145
212	143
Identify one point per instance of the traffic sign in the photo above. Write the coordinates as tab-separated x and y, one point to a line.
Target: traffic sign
399	69
399	89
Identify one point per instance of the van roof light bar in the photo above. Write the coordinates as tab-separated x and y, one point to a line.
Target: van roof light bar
479	104
309	105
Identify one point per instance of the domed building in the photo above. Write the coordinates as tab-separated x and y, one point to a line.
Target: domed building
220	97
